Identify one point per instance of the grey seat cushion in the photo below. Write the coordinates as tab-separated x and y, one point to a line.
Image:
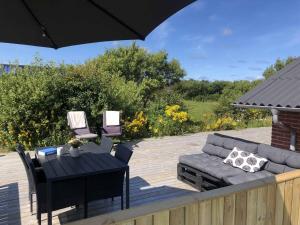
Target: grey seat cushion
87	136
211	165
246	177
276	168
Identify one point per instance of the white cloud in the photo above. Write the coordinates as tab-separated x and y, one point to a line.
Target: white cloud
198	5
203	78
213	17
116	43
280	38
267	37
253	77
227	31
206	39
162	33
294	40
255	68
198	55
242	61
262	61
200	42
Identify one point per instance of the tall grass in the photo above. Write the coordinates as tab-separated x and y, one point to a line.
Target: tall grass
197	109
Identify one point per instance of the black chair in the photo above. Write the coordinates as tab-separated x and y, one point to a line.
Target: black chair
109	185
123	153
65	193
21	151
106	144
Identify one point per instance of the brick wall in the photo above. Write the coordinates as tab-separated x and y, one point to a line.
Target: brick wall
281	136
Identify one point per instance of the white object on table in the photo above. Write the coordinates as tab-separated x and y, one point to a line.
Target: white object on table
59	150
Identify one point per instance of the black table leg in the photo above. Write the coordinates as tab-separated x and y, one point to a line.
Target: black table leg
127	188
49	202
85	206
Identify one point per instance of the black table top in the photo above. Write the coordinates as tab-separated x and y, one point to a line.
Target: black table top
91	161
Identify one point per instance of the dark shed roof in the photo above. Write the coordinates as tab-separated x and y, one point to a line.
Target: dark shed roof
281	90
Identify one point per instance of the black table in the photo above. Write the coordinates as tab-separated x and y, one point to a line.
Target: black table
91	161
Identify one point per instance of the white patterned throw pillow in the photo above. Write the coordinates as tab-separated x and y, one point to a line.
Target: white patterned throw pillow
246	161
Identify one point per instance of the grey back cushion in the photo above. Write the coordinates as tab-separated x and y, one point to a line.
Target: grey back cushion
216	150
279	159
215	140
222	146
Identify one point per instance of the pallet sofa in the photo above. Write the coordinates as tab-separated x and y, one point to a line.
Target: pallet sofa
207	170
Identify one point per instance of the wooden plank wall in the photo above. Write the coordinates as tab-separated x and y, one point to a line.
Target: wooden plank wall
276	203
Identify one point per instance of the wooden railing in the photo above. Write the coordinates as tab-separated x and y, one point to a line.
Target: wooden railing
269	201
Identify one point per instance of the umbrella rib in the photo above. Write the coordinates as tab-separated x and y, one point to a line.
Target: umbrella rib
43	28
142	37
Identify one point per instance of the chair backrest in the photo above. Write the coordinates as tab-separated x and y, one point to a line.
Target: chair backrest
111	118
77	120
31	174
123	153
106	144
21	151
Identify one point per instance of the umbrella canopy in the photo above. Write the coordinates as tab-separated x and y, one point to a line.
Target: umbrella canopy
61	23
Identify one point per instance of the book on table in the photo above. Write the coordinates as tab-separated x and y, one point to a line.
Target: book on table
47	151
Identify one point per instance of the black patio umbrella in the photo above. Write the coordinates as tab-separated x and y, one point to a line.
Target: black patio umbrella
61	23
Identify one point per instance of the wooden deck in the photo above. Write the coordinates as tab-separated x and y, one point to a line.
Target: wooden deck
153	177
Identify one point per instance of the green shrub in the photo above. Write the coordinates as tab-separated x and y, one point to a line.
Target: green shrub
34	102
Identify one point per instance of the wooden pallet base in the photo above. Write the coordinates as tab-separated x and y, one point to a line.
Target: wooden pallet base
197	179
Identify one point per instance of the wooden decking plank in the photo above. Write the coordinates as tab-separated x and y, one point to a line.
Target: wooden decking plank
177	216
229	210
241	208
217	216
271	204
162	218
261	213
295	202
251	206
205	208
288	198
191	214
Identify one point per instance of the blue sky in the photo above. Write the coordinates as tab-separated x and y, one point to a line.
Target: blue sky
212	39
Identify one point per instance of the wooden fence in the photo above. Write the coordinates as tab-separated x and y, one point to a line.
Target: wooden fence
270	201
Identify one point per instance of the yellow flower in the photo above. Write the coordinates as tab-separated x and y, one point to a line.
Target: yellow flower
136	125
170	110
160	119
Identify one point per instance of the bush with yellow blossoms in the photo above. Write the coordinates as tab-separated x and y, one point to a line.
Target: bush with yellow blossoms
137	126
170	121
214	123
